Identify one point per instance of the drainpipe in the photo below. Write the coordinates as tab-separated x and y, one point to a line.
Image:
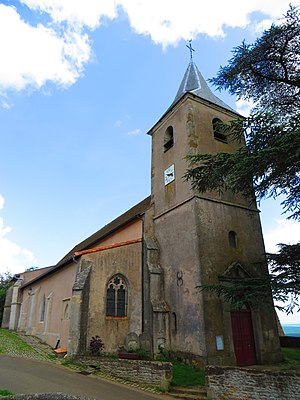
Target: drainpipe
77	265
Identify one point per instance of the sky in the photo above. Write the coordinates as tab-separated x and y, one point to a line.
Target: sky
81	83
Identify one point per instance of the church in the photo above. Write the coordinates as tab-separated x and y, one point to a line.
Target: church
134	282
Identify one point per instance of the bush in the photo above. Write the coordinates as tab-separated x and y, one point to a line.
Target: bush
96	346
4	392
186	375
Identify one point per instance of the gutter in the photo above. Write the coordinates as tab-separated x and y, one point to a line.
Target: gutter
108	247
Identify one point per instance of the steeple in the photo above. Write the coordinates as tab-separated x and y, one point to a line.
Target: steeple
193	82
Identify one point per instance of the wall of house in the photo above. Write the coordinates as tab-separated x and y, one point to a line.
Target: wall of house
127	262
56	290
215	220
7	308
131	231
28	276
178	244
177	225
191	120
192	232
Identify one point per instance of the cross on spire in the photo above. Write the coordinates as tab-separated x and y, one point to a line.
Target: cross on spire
189	46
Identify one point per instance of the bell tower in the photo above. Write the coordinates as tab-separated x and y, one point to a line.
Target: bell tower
199	236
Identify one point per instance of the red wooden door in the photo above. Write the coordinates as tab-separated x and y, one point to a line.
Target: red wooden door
243	338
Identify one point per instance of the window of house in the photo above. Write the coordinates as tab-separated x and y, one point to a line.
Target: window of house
66	309
116	297
219	130
232	239
43	309
168	138
174	322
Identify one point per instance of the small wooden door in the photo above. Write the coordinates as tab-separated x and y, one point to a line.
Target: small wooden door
243	338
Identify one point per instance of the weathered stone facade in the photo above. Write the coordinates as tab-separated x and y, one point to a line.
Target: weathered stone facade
192	236
155	374
127	261
227	383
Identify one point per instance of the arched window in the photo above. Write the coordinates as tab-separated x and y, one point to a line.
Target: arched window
174	322
218	130
43	309
66	309
168	138
232	239
116	297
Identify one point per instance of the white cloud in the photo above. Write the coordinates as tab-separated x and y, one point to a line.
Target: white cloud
2	201
167	22
76	12
57	50
35	55
13	257
244	107
262	26
134	132
286	231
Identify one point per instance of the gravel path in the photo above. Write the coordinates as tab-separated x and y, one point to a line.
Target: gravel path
42	351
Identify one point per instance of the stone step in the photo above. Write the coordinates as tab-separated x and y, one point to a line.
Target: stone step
192	393
185	396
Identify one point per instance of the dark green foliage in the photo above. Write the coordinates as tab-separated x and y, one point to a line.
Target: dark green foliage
4	392
96	345
142	353
283	280
5	283
31	269
267	71
242	292
267	163
285	276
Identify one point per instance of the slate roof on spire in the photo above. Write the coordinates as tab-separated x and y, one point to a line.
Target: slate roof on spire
193	82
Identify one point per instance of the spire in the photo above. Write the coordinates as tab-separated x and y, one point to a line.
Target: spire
193	82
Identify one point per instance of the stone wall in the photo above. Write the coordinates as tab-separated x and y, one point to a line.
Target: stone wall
151	373
230	383
289	341
6	310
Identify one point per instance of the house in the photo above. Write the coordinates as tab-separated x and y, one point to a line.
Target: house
134	282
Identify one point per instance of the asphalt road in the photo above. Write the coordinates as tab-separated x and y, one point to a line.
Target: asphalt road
20	375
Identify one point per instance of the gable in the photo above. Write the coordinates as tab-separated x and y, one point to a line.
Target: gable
234	271
127	225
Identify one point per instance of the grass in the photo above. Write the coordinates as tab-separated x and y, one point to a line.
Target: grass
12	344
291	358
4	392
186	375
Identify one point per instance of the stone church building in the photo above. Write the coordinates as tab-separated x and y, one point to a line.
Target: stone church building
133	283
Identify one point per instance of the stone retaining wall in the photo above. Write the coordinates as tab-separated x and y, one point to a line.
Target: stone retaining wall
156	374
231	383
289	341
